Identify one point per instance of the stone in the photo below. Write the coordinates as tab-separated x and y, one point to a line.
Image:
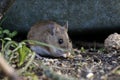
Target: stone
84	16
112	42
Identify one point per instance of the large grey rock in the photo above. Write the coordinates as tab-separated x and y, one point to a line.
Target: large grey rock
90	16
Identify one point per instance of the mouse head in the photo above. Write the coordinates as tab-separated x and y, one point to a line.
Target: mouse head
51	33
59	38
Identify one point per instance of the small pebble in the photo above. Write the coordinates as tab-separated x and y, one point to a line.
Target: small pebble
90	75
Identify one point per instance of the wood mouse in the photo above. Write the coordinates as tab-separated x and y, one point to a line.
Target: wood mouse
51	33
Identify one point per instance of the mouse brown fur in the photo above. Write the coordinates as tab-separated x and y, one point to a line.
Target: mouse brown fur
51	33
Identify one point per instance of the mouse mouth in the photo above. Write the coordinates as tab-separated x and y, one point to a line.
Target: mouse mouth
67	54
62	53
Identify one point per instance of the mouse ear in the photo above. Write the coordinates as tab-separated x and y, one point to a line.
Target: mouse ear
51	29
66	25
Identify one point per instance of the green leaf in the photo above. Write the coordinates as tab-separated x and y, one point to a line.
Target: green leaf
6	31
8	39
1	32
82	49
23	52
14	33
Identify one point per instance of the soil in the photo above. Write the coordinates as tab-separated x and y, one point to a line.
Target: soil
95	63
88	65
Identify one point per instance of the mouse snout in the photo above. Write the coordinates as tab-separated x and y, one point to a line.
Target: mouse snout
62	53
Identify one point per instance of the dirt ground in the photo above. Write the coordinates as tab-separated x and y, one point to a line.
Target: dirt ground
86	64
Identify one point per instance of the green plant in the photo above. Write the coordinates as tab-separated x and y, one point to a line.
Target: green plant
6	33
82	49
17	54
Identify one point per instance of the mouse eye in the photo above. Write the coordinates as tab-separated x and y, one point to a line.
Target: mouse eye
60	41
